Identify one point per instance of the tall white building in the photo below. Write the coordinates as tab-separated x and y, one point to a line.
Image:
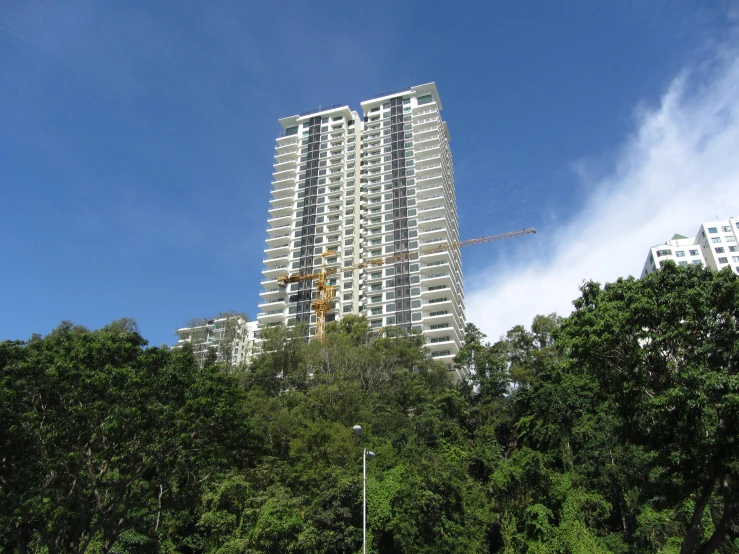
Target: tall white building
368	187
716	245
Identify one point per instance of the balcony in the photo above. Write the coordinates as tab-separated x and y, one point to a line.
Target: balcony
271	316
273	272
283	143
280	221
284	172
274	304
281	195
282	209
279	245
272	293
284	154
283	183
425	109
271	261
278	231
425	148
429	201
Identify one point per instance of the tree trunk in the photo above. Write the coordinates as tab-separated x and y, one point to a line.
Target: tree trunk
691	537
719	534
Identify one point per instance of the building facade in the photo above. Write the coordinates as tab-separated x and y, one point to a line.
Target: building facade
232	338
716	245
368	187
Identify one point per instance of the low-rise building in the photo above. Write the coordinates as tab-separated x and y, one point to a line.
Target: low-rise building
231	337
716	245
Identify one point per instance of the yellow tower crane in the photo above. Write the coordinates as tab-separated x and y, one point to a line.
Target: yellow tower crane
326	294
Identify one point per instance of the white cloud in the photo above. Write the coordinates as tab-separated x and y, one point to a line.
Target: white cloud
679	168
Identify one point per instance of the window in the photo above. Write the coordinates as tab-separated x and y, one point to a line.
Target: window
348	285
697	262
726	229
680	253
390	320
719	249
693	252
735	258
347	308
723	260
733	248
439	339
661	253
712	230
425	99
376	311
716	240
682	263
730	238
376	324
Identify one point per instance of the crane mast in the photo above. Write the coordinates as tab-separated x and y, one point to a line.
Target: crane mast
326	294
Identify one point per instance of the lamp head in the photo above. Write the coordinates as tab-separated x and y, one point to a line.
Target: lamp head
370	454
357	429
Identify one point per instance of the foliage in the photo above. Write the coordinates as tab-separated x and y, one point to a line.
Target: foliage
612	430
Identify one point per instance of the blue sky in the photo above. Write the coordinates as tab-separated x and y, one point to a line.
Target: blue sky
136	141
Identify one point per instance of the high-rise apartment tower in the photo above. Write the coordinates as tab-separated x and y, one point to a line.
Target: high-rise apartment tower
367	187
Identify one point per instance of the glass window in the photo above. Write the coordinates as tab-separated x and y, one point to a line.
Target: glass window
733	248
735	258
712	230
661	253
719	249
726	229
730	238
693	252
716	240
723	260
697	262
425	99
680	253
682	263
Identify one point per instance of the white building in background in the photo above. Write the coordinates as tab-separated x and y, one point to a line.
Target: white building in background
368	187
716	245
212	333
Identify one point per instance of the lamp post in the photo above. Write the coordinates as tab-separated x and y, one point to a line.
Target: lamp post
365	454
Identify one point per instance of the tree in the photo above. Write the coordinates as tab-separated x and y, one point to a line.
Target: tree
101	436
666	348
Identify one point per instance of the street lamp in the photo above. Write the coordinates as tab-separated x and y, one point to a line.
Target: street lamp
365	455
